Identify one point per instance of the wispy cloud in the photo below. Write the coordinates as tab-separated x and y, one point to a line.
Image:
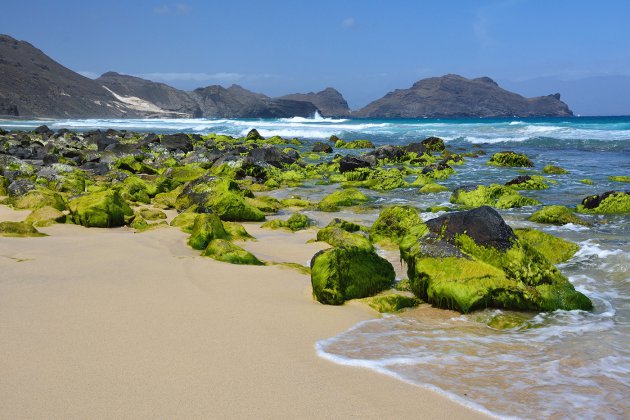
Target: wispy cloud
176	8
348	22
88	74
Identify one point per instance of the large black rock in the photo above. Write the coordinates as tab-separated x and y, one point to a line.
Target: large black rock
351	163
271	155
178	141
483	224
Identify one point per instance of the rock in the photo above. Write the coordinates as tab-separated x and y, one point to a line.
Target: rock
103	209
434	144
19	230
551	169
484	225
345	225
254	135
337	237
352	163
151	214
494	195
45	216
99	139
391	303
381	179
557	215
392	153
223	250
527	182
354	144
417	148
271	155
20	187
432	188
320	147
43	129
610	202
37	198
296	221
556	250
237	232
619	178
178	141
342	198
232	207
329	102
394	223
206	228
340	274
491	267
510	159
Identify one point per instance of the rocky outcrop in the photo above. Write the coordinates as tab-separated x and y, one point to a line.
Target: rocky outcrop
329	102
456	96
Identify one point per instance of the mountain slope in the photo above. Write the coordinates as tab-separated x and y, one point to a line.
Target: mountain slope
329	102
456	96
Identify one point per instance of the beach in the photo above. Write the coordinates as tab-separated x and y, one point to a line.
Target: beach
102	323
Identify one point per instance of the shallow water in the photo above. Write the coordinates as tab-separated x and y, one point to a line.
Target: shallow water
564	364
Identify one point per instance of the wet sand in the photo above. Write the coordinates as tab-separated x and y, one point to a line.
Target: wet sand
101	323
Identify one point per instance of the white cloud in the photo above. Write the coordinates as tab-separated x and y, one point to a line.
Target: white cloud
88	74
177	8
348	22
197	77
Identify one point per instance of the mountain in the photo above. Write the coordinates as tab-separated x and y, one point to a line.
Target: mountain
456	96
237	102
329	102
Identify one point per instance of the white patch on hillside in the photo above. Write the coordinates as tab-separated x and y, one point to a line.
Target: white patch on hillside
137	104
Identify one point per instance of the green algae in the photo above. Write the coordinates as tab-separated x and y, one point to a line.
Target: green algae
101	209
297	221
614	203
557	215
534	182
293	266
337	237
232	207
394	223
206	228
342	198
432	188
151	214
184	221
619	178
37	198
512	159
493	195
237	232
223	250
45	216
555	170
554	249
19	230
344	273
354	144
586	181
345	225
391	302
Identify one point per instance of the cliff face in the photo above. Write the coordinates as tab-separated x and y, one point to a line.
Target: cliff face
329	102
456	96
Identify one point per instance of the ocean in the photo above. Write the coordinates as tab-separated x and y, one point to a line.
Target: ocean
565	364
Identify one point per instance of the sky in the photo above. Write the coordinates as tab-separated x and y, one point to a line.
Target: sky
362	48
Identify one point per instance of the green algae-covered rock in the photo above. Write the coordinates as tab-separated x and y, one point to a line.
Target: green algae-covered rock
336	236
555	170
528	182
237	232
345	225
342	198
586	181
473	260
354	144
296	202
296	221
206	228
509	321
264	203
37	198
610	202
619	178
493	195
394	223
167	200
383	179
45	216
432	188
554	249
510	159
223	250
557	215
134	164
391	302
151	214
101	209
19	230
232	207
184	221
344	273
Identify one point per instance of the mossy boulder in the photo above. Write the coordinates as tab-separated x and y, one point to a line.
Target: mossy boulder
382	179
296	202
620	178
554	170
527	182
493	195
354	144
101	209
233	207
555	250
151	214
345	225
509	321
509	158
473	260
206	228
184	221
391	303
19	230
610	202
344	273
297	221
337	237
342	198
45	216
394	223
226	251
265	203
557	215
40	197
237	232
432	188
433	144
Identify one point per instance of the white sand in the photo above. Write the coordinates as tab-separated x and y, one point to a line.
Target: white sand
101	323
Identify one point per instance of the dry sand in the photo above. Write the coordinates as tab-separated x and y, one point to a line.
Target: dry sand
101	323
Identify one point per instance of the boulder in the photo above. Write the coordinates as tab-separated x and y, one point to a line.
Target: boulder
321	147
417	148
224	250
45	216
206	228
19	230
610	202
178	141
271	155
342	198
20	187
340	274
391	302
297	221
394	223
103	209
527	182
392	153
434	144
557	215
510	158
352	163
254	135
494	195
337	237
555	170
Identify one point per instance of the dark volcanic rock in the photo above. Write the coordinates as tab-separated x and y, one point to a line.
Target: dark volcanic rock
484	225
178	141
456	96
351	163
254	135
271	155
322	147
518	180
329	102
20	187
434	144
393	153
417	148
593	201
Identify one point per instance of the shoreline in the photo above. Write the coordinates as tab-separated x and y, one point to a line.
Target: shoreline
108	322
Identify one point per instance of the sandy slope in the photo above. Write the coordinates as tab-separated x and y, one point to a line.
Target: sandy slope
108	323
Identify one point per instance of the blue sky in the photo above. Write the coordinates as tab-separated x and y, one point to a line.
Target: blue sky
362	48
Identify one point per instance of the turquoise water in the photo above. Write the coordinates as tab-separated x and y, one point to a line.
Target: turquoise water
571	364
